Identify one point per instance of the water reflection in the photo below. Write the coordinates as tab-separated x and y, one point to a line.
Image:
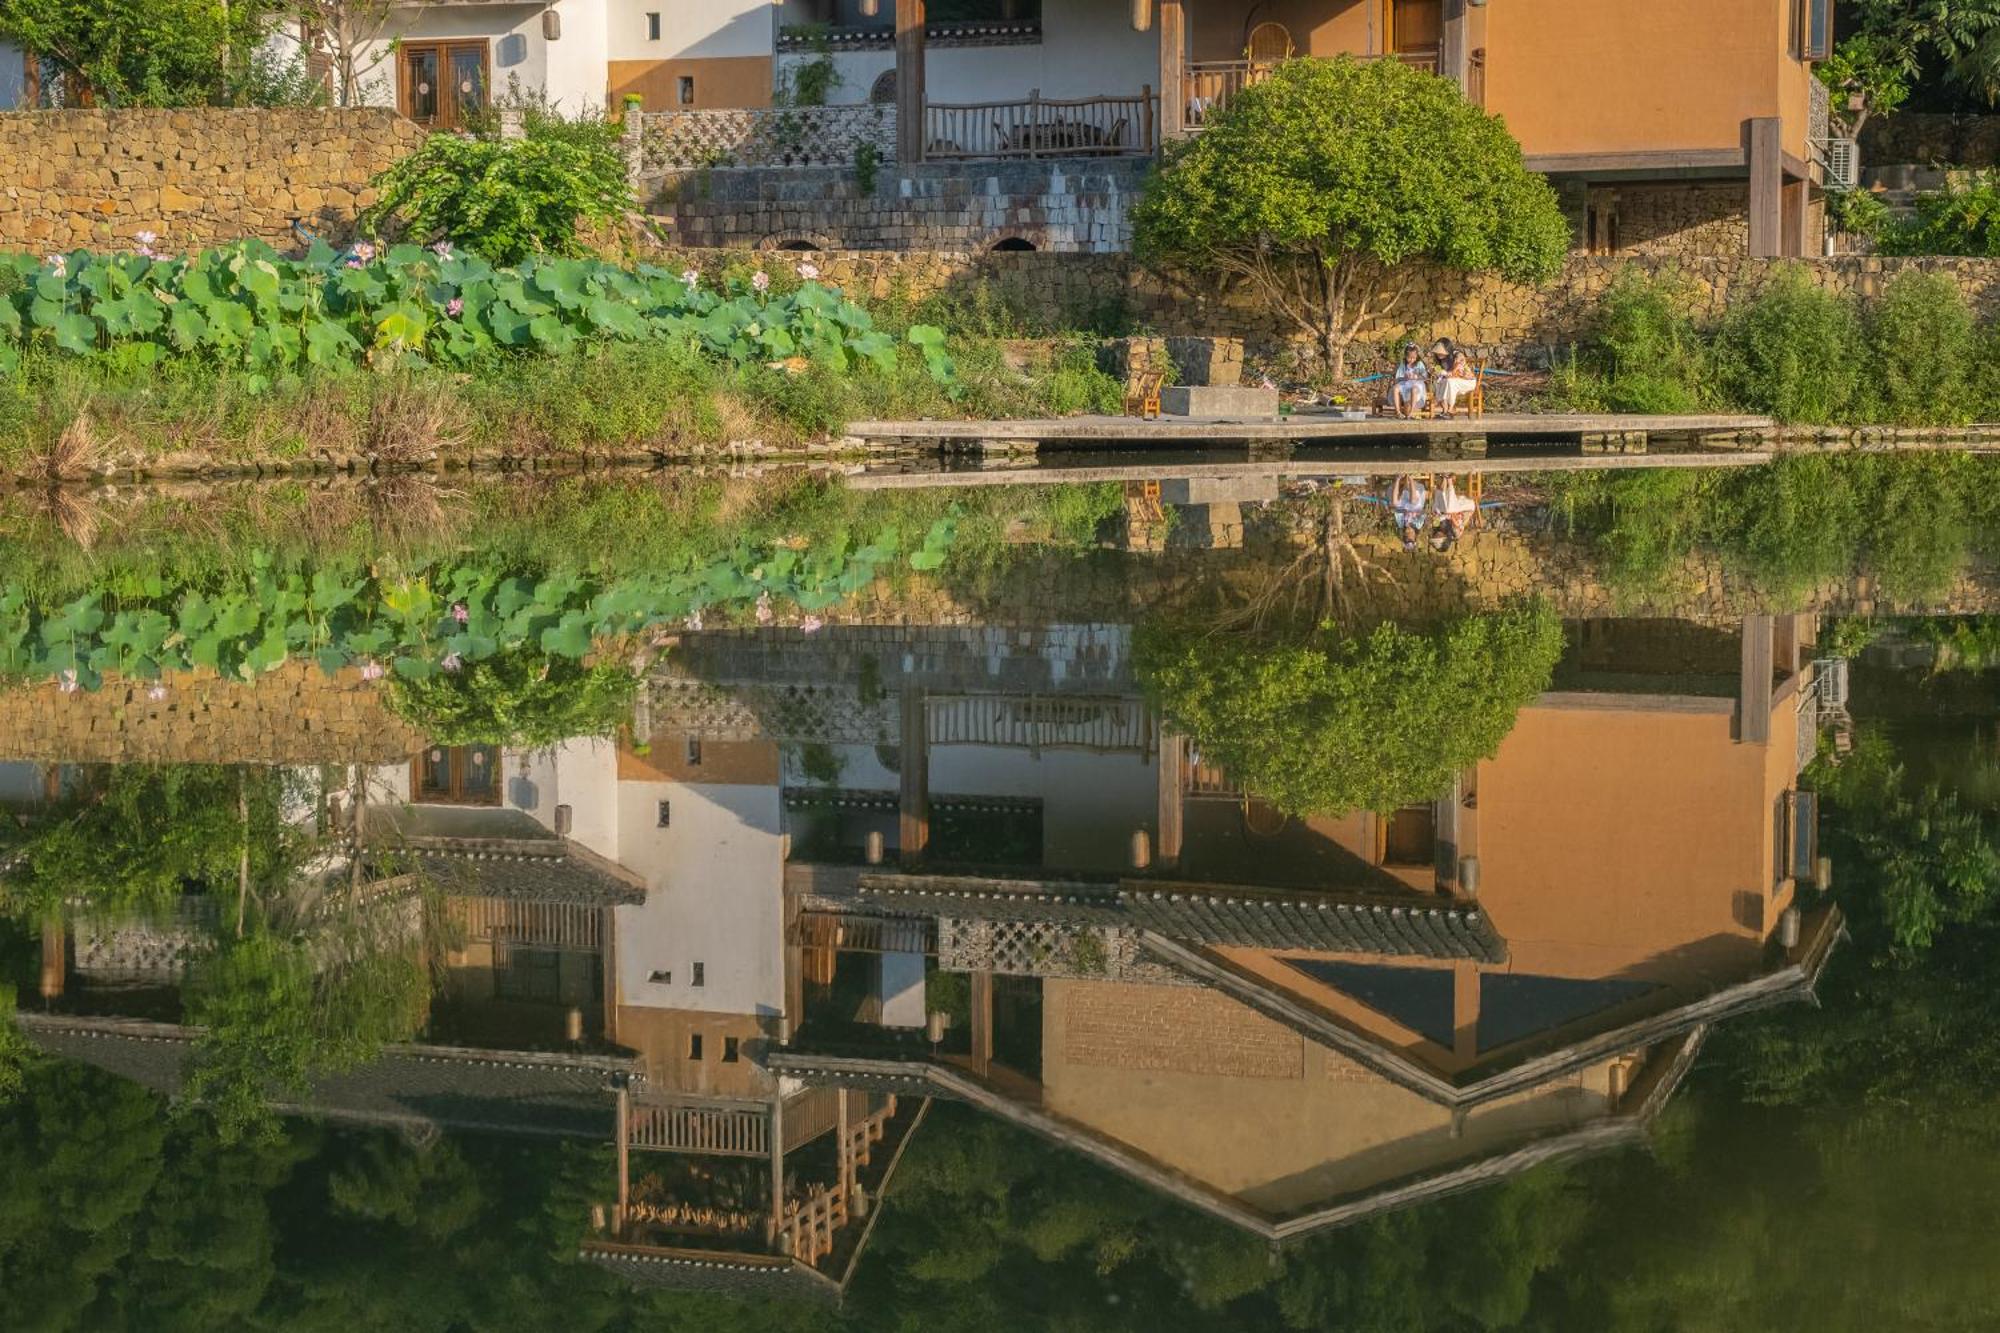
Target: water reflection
819	879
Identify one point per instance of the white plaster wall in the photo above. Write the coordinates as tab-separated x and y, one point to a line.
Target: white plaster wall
13	76
715	895
20	784
571	70
582	774
1090	802
576	74
692	29
1088	49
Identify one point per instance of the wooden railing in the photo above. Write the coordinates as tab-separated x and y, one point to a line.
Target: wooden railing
810	1224
1040	722
1209	84
810	1114
1040	127
549	925
720	1130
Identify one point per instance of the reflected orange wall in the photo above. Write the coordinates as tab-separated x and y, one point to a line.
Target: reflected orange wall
1630	77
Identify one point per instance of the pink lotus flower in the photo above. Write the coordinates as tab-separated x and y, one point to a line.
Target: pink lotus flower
59	265
762	282
451	662
459	611
442	249
692	277
372	670
455	306
364	251
694	622
157	693
67	682
809	271
812	624
148	237
764	614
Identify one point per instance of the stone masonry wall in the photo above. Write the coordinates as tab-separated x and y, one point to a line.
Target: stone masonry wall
1514	324
1916	137
1068	206
1677	220
195	177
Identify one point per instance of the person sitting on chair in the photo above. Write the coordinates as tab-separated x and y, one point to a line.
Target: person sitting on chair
1456	377
1411	392
1455	514
1407	500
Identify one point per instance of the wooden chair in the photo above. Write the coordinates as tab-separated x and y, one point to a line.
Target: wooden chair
1142	396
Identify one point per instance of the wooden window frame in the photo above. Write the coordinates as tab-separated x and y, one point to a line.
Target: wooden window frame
445	48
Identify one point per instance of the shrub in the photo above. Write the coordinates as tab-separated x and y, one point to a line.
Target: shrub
1793	350
1858	213
518	698
1920	351
1315	185
504	200
1961	219
1644	343
1327	723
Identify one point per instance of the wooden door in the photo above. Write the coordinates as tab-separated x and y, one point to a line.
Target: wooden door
442	84
1416	27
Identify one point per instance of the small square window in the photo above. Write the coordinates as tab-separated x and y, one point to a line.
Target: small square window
699	979
661	978
666	813
652	27
730	1050
694	1046
694	751
687	89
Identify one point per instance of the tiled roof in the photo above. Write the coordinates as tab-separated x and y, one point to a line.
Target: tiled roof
1204	914
561	874
413	1086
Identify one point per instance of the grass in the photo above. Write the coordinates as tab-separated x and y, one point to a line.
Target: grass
64	416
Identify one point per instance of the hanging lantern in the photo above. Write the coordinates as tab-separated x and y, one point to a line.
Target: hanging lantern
1142	15
870	8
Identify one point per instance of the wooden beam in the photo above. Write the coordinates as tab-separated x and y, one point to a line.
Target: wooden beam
915	826
1651	160
1453	48
982	1023
777	1165
624	1161
55	958
1764	146
1172	20
1753	695
909	81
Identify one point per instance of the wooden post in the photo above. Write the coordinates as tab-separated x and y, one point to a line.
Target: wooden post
915	826
1173	786
1453	49
1173	69
910	127
1146	140
1753	701
982	1022
843	1149
1764	150
624	1161
55	958
778	1163
1034	122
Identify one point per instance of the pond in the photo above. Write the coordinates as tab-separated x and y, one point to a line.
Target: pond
776	901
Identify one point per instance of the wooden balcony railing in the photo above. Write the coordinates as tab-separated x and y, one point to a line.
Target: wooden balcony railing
1040	127
1209	84
713	1128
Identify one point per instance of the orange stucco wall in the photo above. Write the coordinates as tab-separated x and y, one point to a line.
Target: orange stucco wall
1621	76
719	82
1318	27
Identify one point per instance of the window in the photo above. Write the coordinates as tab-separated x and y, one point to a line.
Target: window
1815	25
694	1046
883	91
694	751
456	775
441	84
687	89
652	27
1410	837
730	1050
666	813
699	978
661	978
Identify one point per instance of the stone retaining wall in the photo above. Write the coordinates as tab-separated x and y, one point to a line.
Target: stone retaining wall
1516	325
1067	206
1968	141
194	177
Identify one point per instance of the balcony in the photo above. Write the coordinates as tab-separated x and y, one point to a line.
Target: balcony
1210	84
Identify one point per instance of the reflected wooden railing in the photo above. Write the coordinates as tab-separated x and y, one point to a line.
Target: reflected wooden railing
1040	127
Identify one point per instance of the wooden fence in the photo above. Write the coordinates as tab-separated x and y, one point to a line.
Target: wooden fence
1040	127
1209	84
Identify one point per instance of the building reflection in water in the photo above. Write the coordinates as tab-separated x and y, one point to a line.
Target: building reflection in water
849	872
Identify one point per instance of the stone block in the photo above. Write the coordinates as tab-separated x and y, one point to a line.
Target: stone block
1209	400
1213	362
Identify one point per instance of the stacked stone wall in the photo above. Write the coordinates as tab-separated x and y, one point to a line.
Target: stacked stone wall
193	177
1924	139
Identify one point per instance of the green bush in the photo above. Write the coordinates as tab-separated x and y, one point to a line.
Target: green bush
505	200
1793	350
518	698
1328	723
1858	213
1644	344
1961	219
1920	351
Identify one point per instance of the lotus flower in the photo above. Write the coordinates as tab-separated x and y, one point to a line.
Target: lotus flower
442	249
364	251
59	265
762	282
452	662
455	306
764	614
372	670
812	624
157	693
459	610
692	277
694	622
67	681
810	272
148	237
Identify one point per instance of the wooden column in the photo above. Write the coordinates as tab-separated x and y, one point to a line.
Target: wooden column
915	827
1173	788
55	958
909	81
777	1165
1172	21
982	1022
1453	48
843	1149
1753	698
1765	150
624	1161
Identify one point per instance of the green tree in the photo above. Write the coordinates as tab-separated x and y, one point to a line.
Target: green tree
1793	349
503	200
144	52
1323	185
1331	722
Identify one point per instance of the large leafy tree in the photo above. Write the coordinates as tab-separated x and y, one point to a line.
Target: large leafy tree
1330	722
1324	185
144	52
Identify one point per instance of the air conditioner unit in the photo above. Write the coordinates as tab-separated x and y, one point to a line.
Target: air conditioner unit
1843	164
1831	675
